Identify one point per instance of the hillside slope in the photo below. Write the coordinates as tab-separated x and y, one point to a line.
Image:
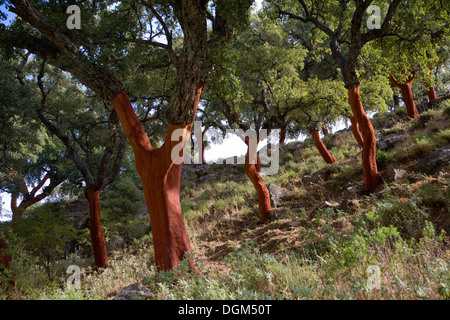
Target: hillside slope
326	238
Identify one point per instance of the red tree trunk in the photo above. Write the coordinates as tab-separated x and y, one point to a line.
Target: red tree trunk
407	95
432	94
326	155
258	183
161	179
95	229
369	163
325	131
356	131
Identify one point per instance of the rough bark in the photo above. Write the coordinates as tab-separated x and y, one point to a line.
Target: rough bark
30	197
370	169
356	131
95	229
407	94
261	189
326	155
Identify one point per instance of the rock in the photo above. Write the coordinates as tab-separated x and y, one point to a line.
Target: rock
294	146
434	161
276	195
114	244
135	291
423	106
357	188
394	174
382	145
395	138
279	213
201	170
390	140
78	212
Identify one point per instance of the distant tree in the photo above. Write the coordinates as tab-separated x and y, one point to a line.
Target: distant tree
342	25
92	139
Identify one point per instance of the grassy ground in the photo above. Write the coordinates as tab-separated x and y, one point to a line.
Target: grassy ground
328	240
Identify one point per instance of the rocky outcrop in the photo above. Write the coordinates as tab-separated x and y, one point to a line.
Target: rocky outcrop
135	291
433	161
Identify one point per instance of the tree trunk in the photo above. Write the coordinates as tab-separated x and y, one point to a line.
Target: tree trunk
325	131
356	131
258	183
258	164
371	175
396	100
407	95
161	179
95	229
431	94
161	182
326	155
203	147
282	136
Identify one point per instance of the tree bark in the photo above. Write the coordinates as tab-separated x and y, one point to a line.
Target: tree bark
326	155
370	169
407	95
432	94
161	179
263	193
356	131
203	147
325	130
30	197
282	136
95	229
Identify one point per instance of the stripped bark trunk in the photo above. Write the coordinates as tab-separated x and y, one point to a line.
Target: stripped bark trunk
370	169
161	179
432	93
326	155
95	228
407	94
356	131
260	187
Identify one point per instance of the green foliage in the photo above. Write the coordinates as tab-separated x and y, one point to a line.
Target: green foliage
121	202
46	232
